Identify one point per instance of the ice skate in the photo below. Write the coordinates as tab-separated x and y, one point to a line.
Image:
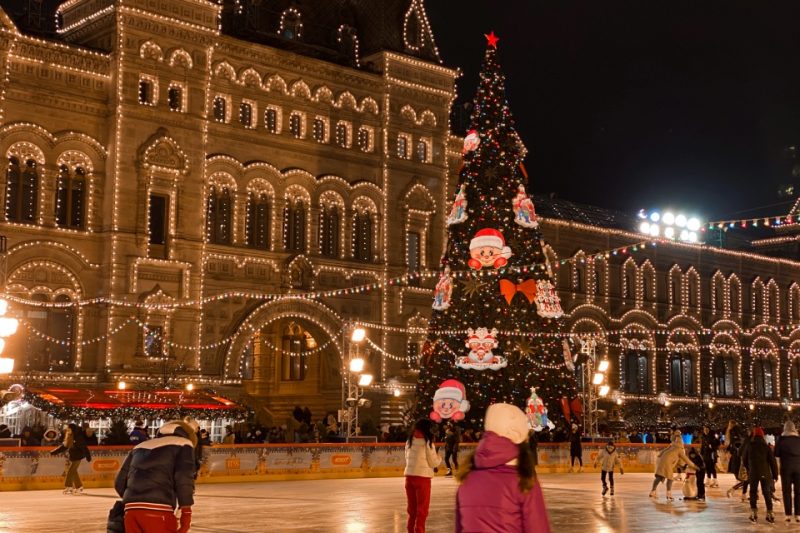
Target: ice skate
788	519
753	516
605	489
715	484
669	496
770	517
797	518
580	469
449	473
729	493
612	491
652	494
571	470
67	490
78	491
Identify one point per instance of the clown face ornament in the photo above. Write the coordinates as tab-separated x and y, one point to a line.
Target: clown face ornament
449	401
471	141
488	249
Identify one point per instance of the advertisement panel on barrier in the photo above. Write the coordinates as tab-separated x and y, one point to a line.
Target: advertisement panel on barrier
35	468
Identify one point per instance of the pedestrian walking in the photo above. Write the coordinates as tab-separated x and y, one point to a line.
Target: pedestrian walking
709	446
156	478
788	451
668	459
761	469
699	475
608	459
74	445
575	448
452	440
499	491
421	460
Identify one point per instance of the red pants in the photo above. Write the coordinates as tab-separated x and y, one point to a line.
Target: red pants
144	521
418	493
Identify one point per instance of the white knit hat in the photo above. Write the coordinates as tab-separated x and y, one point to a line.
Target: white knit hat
507	421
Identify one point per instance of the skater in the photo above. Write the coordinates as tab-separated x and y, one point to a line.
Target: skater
761	469
421	459
709	444
699	475
668	459
608	459
452	438
157	475
575	449
788	451
499	491
75	446
737	466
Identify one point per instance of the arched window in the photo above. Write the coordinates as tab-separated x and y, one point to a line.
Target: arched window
637	378
220	109
364	139
648	284
70	197
175	98
413	30
258	220
55	322
22	191
403	140
348	44
318	130
146	91
723	377
795	379
680	372
362	237
218	217
342	135
735	292
246	114
271	120
329	231
294	343
291	24
762	379
422	151
296	125
294	226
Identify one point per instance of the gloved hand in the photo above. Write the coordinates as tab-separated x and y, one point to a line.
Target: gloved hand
186	519
621	472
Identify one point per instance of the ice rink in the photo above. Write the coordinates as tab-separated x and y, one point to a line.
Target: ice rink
376	505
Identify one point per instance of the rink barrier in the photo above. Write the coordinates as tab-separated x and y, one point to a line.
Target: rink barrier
35	468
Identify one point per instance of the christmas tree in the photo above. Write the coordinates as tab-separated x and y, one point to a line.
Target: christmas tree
495	330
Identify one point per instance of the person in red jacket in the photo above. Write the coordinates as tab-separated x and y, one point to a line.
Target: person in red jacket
499	492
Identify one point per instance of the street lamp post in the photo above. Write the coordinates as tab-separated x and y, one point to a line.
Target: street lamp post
354	381
594	390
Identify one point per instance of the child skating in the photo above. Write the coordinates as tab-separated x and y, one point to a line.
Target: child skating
608	459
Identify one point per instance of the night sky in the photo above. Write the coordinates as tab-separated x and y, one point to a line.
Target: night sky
628	105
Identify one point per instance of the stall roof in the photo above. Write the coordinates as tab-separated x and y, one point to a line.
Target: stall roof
83	402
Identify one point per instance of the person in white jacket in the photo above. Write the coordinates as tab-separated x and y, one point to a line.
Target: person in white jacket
421	459
608	459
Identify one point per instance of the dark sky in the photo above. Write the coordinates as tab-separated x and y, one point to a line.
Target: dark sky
683	104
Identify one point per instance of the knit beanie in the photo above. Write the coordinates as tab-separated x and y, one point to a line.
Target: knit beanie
758	432
789	428
507	421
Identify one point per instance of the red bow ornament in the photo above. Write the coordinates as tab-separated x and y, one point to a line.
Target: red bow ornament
508	289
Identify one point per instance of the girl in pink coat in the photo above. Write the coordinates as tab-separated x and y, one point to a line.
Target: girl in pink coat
499	492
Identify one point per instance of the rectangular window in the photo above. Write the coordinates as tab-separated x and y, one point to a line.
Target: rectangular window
158	219
154	341
412	251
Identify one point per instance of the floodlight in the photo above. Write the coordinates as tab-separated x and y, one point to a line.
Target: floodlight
122	385
8	326
669	232
358	335
6	365
693	224
654	230
680	221
669	218
365	380
3	306
644	227
356	365
602	366
189	387
598	378
655	217
396	392
604	390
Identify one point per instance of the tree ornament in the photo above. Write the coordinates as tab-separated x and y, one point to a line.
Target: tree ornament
548	304
458	211
537	413
524	212
481	342
472	287
509	289
443	291
524	348
471	141
449	401
488	249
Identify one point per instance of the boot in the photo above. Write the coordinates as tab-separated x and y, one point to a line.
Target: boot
612	491
770	517
605	489
669	496
753	516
